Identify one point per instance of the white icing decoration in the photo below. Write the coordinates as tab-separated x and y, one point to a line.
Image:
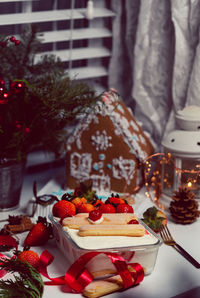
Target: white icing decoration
101	182
134	125
142	140
120	108
123	168
101	140
80	165
128	130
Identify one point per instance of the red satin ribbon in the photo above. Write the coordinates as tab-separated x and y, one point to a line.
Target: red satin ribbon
2	271
9	241
78	277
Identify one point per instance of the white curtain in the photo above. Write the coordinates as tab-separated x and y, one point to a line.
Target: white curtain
155	63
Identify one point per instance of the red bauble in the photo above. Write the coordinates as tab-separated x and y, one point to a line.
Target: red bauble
26	130
2	82
17	87
4	44
3	96
12	39
17	42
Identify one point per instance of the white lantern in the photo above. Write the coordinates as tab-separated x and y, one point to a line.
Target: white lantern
184	146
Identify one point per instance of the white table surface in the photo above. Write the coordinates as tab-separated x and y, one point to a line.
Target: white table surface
173	276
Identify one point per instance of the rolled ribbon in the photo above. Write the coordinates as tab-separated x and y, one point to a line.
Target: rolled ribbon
78	277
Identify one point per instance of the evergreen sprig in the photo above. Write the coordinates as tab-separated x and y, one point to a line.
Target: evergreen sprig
27	283
50	101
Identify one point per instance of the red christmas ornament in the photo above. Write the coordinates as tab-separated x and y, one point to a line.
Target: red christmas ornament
27	130
2	82
4	44
17	42
17	125
17	87
3	96
12	39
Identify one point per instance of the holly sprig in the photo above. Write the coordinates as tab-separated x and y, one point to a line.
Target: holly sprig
27	283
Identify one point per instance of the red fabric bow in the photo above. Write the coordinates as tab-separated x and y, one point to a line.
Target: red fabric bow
78	277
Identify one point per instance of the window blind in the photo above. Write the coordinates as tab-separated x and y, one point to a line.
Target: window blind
83	44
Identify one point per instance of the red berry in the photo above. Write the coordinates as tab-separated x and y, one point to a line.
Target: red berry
63	209
4	44
85	208
17	42
95	214
107	208
38	235
26	130
17	87
5	94
124	208
133	222
29	256
2	82
12	39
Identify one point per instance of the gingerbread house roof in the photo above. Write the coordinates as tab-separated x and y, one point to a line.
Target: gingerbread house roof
106	146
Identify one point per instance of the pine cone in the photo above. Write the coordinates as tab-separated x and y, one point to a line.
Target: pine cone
184	208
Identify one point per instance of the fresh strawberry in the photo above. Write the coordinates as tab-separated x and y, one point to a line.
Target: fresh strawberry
83	200
38	235
133	222
29	256
77	202
97	203
85	208
63	209
124	208
115	201
95	214
107	208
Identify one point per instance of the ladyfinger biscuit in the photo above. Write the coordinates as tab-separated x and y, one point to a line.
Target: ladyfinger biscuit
77	221
134	230
100	288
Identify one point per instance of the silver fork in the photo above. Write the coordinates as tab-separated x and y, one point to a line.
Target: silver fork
168	240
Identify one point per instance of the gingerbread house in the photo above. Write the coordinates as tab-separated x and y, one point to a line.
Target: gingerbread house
106	148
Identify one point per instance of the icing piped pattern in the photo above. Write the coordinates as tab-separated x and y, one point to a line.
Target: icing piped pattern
93	161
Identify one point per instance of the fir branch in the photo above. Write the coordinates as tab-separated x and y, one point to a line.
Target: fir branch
28	282
50	101
28	48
